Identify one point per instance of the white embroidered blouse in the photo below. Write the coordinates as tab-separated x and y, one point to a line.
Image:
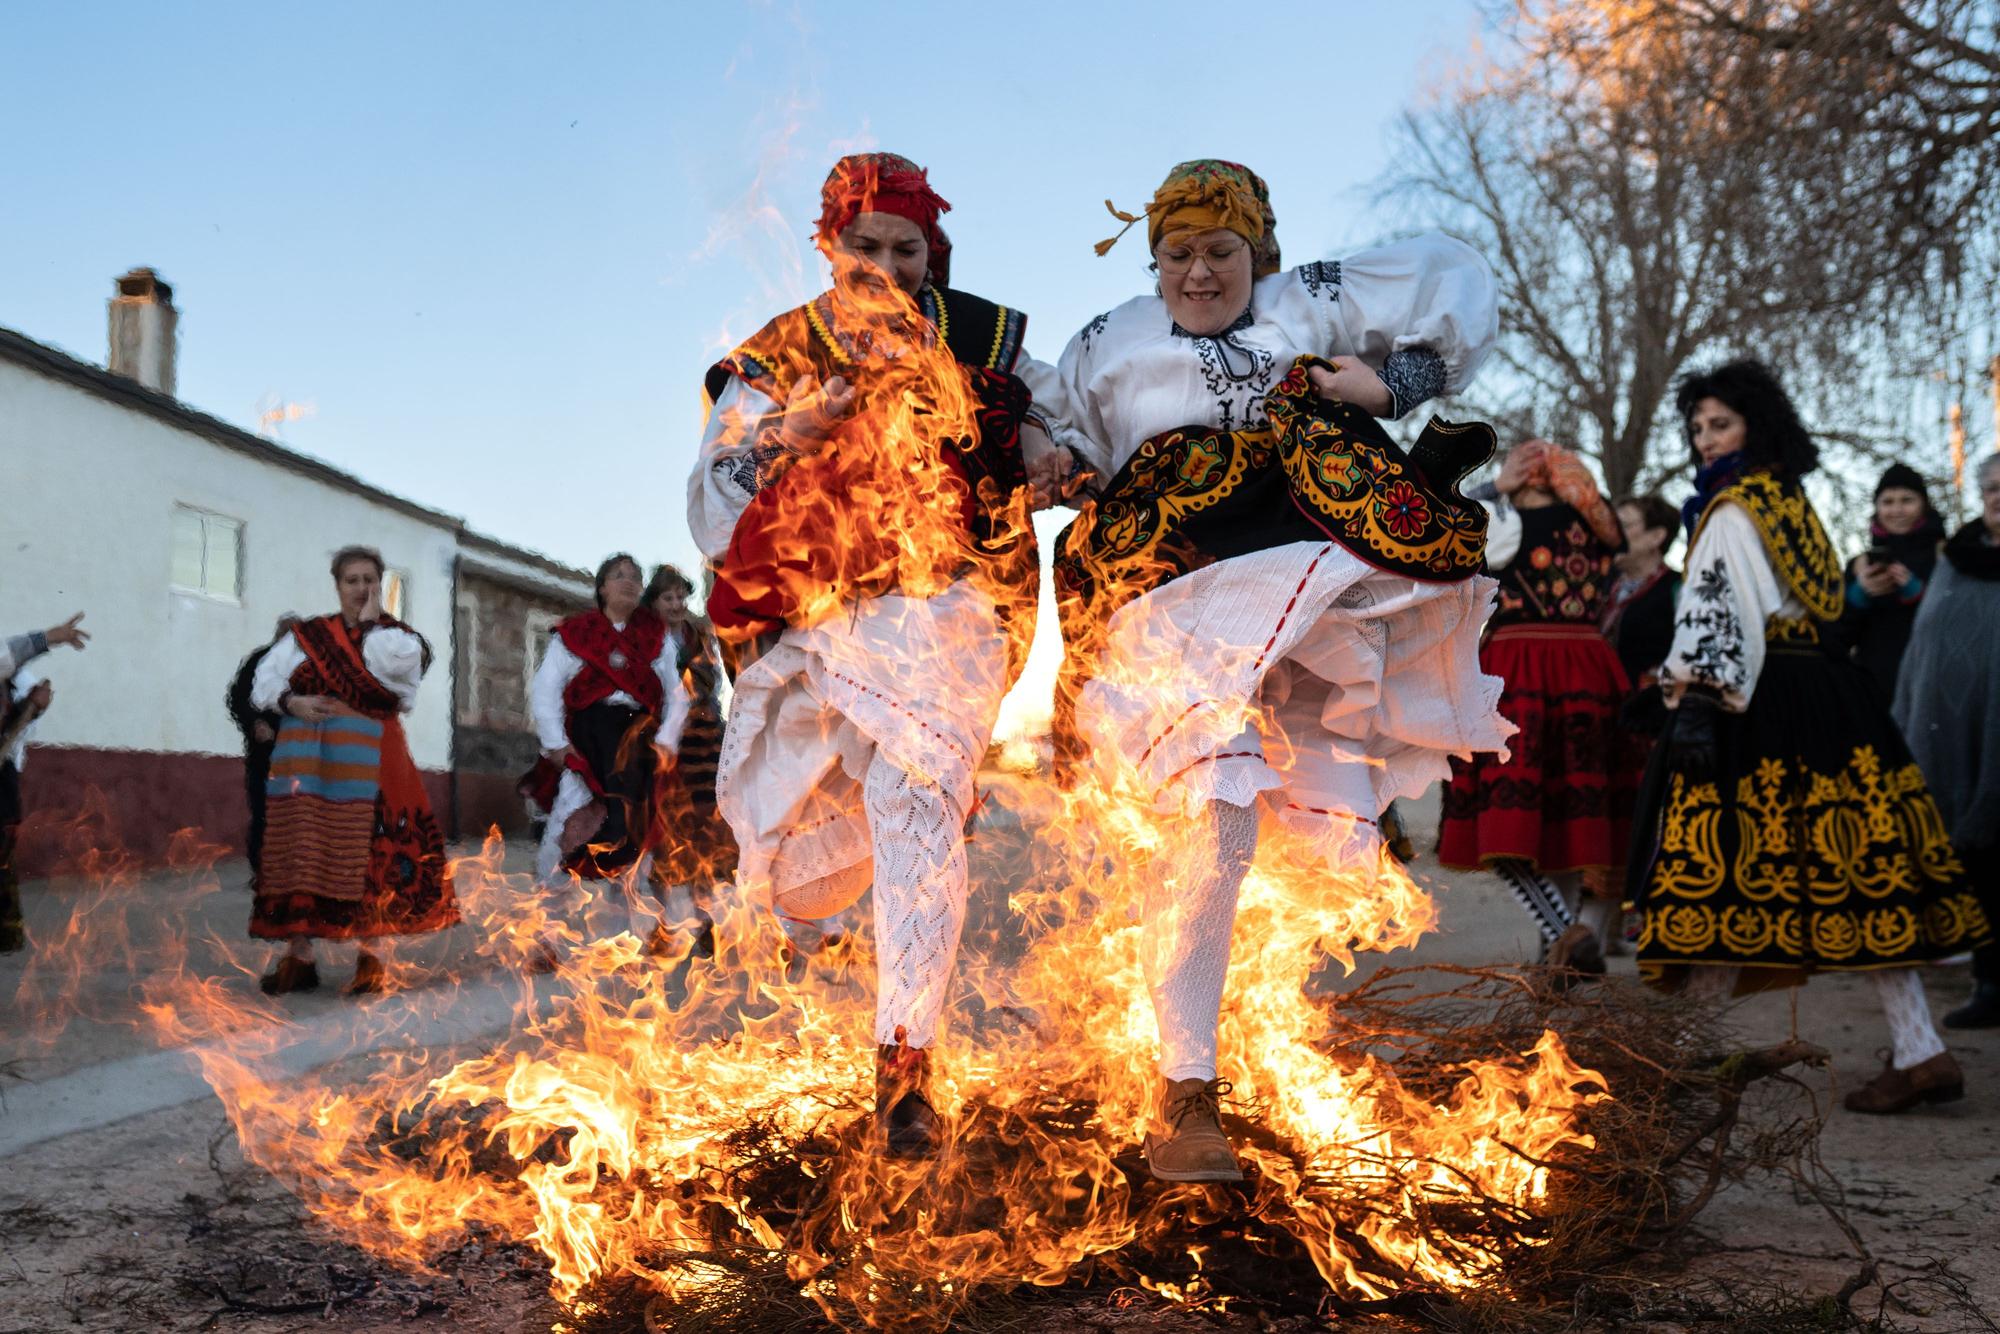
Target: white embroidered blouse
1730	591
1423	313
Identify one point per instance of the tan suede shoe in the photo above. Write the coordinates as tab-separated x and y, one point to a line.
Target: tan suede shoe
1193	1147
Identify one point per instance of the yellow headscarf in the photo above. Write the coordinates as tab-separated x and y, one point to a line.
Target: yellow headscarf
1204	194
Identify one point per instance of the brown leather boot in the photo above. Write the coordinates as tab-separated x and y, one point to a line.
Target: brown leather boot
291	974
1194	1147
910	1126
370	978
1937	1080
1578	951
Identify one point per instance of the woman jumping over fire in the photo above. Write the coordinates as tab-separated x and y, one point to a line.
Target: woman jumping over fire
1269	601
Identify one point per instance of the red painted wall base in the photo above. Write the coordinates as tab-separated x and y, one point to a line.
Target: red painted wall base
155	806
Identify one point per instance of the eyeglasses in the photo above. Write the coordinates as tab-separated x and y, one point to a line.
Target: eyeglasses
1177	260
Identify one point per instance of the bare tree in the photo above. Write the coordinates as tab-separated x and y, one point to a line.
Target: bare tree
1919	80
1656	186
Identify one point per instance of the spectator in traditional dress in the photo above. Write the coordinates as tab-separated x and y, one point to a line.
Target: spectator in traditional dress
1551	814
1638	620
351	848
1948	705
1638	617
600	702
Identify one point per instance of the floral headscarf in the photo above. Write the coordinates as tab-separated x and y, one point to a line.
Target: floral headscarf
1556	470
1205	193
884	183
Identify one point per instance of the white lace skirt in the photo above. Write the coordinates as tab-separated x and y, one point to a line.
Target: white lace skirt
917	680
1301	672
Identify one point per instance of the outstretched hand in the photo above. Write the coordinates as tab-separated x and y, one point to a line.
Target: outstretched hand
69	632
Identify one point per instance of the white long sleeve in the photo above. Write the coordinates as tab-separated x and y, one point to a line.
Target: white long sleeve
673	717
732	465
1503	533
667	665
1052	408
1429	291
545	695
1731	590
393	656
274	674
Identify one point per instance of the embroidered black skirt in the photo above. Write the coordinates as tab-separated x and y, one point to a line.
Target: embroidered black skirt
1818	848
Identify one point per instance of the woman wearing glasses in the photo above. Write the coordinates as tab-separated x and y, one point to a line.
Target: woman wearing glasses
1268	600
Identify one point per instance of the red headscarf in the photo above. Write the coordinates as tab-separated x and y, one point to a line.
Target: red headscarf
884	183
1554	469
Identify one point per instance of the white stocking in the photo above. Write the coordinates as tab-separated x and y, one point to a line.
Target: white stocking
919	843
1190	915
1543	900
1594	913
1913	1038
1711	982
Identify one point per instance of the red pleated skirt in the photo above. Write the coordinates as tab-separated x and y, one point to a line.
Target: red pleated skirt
1563	798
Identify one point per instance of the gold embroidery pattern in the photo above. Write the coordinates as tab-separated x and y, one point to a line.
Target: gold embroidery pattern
1800	550
1173	475
1791	632
1844	870
1345	470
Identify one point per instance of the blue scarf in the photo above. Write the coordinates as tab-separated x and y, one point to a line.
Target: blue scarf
1709	479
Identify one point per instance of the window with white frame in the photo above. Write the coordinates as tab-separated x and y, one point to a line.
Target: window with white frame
395	593
207	554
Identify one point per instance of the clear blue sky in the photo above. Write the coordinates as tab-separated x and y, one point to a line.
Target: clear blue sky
494	245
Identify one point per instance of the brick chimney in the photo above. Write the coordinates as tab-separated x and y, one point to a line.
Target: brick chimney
143	322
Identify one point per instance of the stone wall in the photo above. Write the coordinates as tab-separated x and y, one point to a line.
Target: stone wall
502	629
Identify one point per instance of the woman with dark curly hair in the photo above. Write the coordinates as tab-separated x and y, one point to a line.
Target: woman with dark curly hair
1784	828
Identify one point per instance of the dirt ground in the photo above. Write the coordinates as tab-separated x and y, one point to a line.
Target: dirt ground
152	1221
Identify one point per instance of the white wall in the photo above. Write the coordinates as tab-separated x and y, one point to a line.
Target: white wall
87	495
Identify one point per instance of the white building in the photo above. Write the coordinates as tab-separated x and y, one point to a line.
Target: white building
184	539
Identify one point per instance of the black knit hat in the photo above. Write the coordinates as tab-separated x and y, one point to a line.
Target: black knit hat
1902	477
